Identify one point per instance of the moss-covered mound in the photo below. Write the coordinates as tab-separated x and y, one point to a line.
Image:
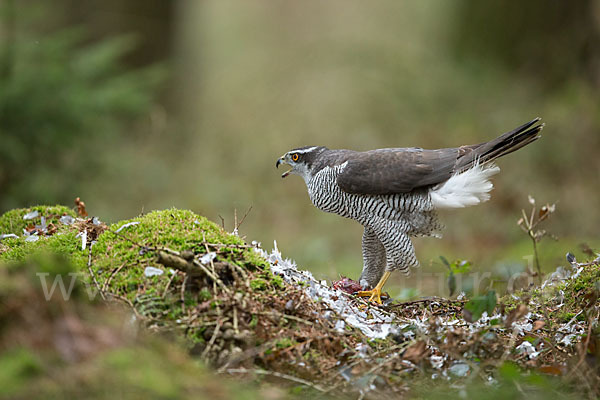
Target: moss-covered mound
567	300
14	221
120	257
27	231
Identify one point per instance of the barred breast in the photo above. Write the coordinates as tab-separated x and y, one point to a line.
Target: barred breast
414	210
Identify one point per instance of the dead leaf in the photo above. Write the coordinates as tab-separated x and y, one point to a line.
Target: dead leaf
556	370
587	250
80	207
515	315
591	298
416	352
539	324
205	305
51	229
356	370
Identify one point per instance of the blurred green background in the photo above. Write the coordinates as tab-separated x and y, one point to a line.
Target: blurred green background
143	105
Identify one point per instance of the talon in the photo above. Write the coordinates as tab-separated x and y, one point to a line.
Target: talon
374	295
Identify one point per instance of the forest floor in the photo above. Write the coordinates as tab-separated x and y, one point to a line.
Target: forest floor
91	309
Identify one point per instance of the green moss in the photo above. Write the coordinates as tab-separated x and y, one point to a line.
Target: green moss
174	229
572	291
258	284
253	321
284	343
63	241
12	221
278	281
254	260
313	355
204	295
379	343
17	366
161	382
66	244
266	279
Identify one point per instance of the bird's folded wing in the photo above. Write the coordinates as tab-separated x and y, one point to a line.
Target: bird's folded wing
390	171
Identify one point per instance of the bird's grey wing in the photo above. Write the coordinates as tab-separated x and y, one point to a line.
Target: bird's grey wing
390	171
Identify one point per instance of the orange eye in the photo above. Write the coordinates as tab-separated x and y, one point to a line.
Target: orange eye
295	157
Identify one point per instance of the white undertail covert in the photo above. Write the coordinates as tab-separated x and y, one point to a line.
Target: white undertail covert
464	189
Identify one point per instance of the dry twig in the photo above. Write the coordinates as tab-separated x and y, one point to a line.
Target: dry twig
89	266
278	375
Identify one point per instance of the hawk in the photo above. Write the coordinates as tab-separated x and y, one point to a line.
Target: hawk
394	193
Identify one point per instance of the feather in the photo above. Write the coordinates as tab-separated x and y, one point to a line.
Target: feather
467	188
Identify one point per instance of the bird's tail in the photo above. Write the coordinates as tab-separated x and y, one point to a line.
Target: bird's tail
471	184
504	144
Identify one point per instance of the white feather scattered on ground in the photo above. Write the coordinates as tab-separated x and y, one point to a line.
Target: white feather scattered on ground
152	271
126	226
377	323
208	257
31	215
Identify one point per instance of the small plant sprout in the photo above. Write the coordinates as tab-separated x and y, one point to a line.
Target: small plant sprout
456	267
529	224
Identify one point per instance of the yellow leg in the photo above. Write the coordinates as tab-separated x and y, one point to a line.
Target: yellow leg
375	294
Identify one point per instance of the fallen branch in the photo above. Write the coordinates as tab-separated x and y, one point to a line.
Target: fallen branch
174	261
212	339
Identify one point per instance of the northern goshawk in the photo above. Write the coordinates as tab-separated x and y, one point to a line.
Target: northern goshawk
394	193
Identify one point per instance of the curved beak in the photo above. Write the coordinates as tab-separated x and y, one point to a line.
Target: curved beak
281	160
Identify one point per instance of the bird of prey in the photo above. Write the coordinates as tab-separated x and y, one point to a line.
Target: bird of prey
395	192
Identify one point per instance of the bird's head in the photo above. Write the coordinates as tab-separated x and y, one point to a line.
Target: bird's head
302	161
